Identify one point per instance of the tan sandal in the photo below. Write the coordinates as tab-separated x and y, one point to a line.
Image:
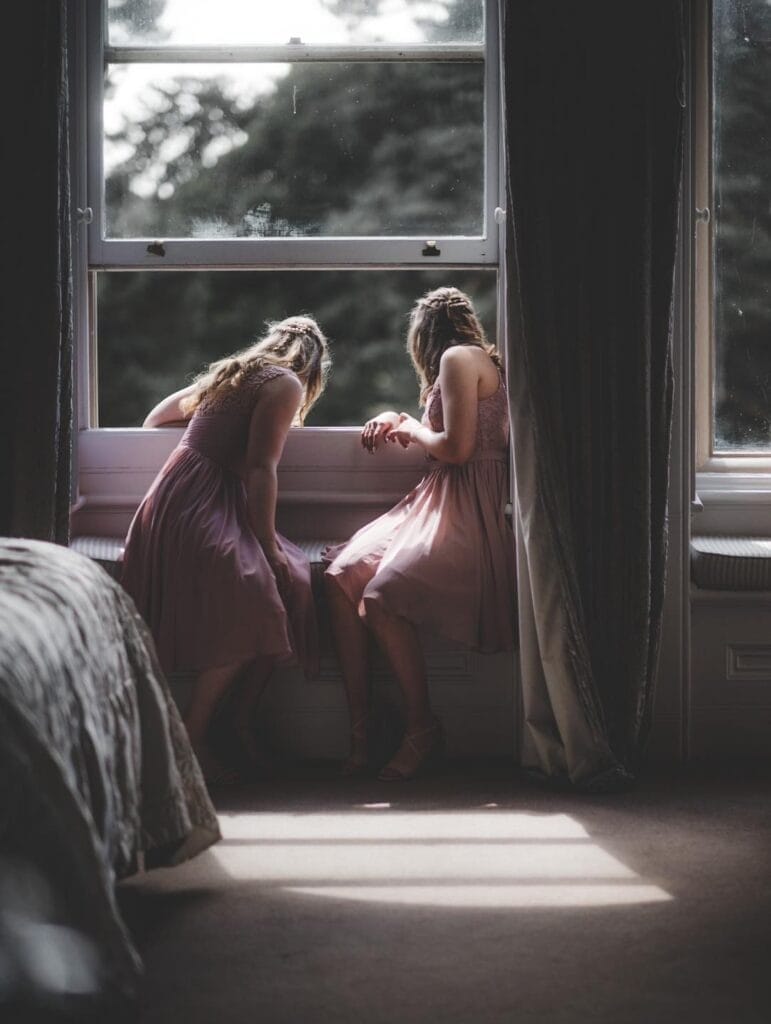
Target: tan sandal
418	750
357	765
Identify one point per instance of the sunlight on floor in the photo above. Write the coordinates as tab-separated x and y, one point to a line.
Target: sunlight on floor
478	858
494	896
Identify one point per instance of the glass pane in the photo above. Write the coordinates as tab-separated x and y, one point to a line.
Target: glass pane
158	329
304	149
320	22
742	180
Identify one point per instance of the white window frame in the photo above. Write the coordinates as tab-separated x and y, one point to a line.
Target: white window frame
322	466
735	489
95	252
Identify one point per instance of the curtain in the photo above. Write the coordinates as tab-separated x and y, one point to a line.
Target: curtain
36	385
593	114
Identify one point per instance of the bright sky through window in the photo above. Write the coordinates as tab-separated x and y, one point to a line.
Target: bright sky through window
135	91
243	22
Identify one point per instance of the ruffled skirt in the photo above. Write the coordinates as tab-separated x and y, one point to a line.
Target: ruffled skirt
200	578
443	558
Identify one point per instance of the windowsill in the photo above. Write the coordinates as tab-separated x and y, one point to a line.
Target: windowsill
728	487
734	498
328	484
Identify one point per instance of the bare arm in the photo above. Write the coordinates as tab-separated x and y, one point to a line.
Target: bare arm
167	413
459	381
272	417
377	429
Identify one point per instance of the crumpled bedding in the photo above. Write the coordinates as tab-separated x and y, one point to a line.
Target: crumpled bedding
97	776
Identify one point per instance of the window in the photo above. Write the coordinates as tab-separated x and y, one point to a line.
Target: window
742	191
734	351
247	161
197	316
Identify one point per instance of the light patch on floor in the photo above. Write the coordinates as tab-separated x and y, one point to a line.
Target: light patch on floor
479	858
494	896
379	822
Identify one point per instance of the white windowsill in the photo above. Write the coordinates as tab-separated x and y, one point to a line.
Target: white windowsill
731	488
734	498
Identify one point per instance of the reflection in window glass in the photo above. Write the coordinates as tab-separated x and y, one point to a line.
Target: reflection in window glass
255	150
742	182
158	329
316	22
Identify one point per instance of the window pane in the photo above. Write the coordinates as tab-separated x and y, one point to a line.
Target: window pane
304	149
158	329
320	22
742	181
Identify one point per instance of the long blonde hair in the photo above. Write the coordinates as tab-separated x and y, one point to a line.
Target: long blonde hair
296	343
441	318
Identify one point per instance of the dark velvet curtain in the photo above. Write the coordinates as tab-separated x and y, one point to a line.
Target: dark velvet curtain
593	96
36	382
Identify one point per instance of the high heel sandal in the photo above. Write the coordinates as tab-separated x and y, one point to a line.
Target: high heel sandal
357	765
417	751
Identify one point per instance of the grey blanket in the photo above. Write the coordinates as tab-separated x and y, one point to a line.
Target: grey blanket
96	774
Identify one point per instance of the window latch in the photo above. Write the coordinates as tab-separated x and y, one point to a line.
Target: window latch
431	249
85	214
499	215
702	214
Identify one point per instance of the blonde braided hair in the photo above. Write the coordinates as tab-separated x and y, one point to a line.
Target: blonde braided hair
296	343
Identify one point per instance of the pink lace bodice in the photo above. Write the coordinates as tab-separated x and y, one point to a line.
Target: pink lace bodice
492	419
240	399
219	427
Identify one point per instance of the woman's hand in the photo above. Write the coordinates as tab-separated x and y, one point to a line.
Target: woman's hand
279	563
405	431
378	429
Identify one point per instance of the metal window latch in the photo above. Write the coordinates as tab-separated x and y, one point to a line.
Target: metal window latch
499	215
431	249
85	214
702	214
156	249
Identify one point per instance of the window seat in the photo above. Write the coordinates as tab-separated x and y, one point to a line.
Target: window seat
729	714
108	552
731	563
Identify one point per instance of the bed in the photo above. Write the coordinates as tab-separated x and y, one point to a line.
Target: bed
97	778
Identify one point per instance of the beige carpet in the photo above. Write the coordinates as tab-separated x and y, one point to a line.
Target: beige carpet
468	897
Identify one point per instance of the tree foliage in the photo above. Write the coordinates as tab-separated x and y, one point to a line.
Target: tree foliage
357	149
742	61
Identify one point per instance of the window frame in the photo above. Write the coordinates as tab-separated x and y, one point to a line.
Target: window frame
301	253
93	253
723	479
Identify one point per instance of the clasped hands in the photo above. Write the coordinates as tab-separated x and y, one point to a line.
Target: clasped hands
396	427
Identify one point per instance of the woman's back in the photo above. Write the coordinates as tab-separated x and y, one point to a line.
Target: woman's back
492	428
219	427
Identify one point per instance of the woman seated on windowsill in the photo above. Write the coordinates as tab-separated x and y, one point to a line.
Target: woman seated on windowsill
443	558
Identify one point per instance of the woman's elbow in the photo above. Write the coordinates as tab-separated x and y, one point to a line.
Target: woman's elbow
458	455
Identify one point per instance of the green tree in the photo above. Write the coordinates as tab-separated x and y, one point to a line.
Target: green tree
742	33
373	148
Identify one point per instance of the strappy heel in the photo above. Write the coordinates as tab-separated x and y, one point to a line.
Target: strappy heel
357	765
418	750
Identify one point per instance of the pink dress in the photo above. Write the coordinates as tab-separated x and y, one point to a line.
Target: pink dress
443	558
196	571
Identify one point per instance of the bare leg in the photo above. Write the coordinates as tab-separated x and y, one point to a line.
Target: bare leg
351	642
209	688
250	689
401	644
